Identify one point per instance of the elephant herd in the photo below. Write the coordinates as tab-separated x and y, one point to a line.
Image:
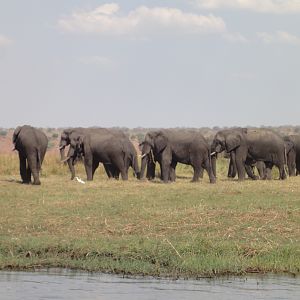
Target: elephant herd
246	148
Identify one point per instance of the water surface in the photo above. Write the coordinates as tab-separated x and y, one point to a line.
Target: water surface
66	284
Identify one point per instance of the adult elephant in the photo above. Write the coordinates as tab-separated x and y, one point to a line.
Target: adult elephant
71	135
256	144
170	146
105	148
31	143
293	154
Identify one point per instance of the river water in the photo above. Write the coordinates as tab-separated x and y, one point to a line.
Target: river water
66	284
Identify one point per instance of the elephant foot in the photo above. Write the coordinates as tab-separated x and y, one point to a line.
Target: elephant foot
25	182
213	180
255	177
36	183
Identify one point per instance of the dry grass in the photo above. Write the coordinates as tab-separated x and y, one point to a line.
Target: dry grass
178	229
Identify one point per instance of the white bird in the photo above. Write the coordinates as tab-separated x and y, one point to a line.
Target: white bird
79	180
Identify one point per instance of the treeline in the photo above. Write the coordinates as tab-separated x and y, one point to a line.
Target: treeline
137	134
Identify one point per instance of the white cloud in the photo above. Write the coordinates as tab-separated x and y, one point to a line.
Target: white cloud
109	20
4	41
96	60
279	37
235	37
261	6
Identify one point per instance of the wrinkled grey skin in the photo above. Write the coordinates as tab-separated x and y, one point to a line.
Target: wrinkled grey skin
293	154
31	143
107	149
257	144
71	135
171	146
249	167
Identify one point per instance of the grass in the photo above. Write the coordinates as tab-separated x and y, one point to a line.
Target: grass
181	229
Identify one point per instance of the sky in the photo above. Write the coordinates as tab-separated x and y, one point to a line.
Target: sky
176	63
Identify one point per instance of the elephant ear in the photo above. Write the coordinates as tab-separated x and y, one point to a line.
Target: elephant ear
161	142
244	130
16	133
288	146
232	141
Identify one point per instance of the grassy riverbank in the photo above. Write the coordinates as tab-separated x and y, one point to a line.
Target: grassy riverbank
183	229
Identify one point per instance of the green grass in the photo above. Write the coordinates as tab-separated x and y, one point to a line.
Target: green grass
181	229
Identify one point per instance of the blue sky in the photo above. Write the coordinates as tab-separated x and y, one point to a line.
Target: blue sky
192	63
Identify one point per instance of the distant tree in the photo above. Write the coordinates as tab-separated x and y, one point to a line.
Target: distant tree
3	132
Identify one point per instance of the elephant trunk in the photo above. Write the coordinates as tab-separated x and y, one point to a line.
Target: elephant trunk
62	152
145	157
143	166
71	168
214	164
70	159
135	166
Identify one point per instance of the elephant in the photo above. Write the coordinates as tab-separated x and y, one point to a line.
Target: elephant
31	143
71	135
293	154
249	167
170	146
107	148
151	166
252	145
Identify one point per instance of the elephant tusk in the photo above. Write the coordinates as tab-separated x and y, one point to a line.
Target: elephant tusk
142	156
213	153
65	160
61	147
13	148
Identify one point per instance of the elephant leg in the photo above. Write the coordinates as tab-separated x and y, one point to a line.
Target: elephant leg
197	172
291	162
239	157
250	169
165	170
268	172
231	169
124	174
161	171
120	167
28	174
297	166
108	171
201	172
282	173
23	172
94	167
261	168
214	165
150	169
197	166
209	169
88	165
172	171
116	173
71	163
33	166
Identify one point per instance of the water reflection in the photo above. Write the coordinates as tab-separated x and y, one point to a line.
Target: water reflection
65	284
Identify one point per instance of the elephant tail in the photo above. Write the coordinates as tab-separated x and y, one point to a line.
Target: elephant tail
286	169
39	160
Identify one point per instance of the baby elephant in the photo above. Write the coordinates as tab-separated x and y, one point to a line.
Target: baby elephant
31	144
